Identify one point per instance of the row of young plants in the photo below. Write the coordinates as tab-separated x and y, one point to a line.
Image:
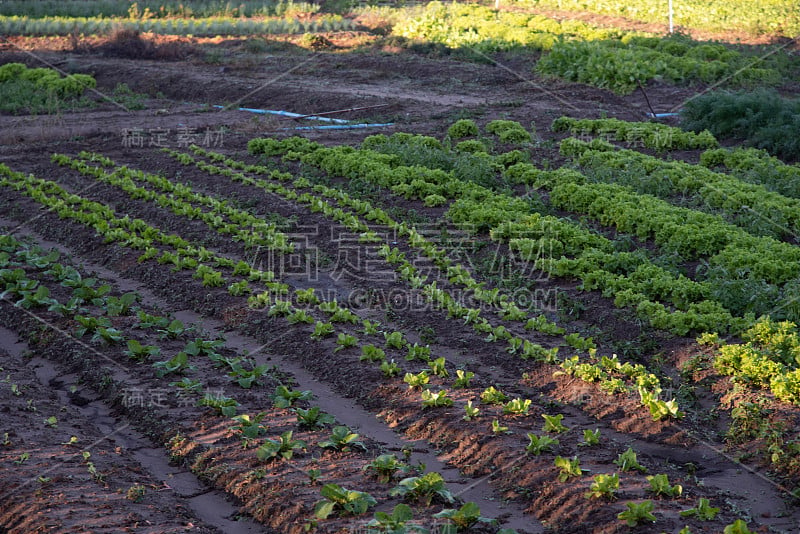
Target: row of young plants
138	235
16	259
482	209
277	447
656	136
461	25
197	27
47	80
748	275
756	166
631	277
752	206
625	64
89	304
769	358
182	200
604	57
148	9
771	17
611	375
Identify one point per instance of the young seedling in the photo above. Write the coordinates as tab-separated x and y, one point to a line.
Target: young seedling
435	400
569	467
285	397
417	381
538	444
465	517
604	486
737	527
395	522
314	417
417	352
517	407
346	502
370	328
246	378
51	421
300	316
306	296
423	488
119	306
552	423
284	447
371	353
637	513
703	511
390	369
280	308
627	461
141	353
498	429
463	378
173	330
342	440
313	476
438	367
343	315
491	395
250	427
394	340
590	438
136	493
345	341
321	330
223	405
385	466
659	484
470	411
178	364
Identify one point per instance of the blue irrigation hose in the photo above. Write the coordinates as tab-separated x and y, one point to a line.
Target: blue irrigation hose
341	126
289	114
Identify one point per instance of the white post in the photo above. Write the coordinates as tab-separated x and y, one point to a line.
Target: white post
670	17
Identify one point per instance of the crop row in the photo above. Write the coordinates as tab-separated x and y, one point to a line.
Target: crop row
756	208
610	374
629	277
748	274
206	27
622	65
183	201
47	80
603	57
151	8
773	16
483	209
758	167
18	259
659	137
414	487
459	25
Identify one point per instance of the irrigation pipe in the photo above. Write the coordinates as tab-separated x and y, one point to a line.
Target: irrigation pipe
289	114
341	126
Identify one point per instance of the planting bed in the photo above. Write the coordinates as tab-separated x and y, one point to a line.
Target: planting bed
211	325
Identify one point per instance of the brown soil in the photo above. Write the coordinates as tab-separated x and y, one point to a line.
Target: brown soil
195	472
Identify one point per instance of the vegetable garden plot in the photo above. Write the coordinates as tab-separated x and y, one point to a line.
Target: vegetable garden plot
530	398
